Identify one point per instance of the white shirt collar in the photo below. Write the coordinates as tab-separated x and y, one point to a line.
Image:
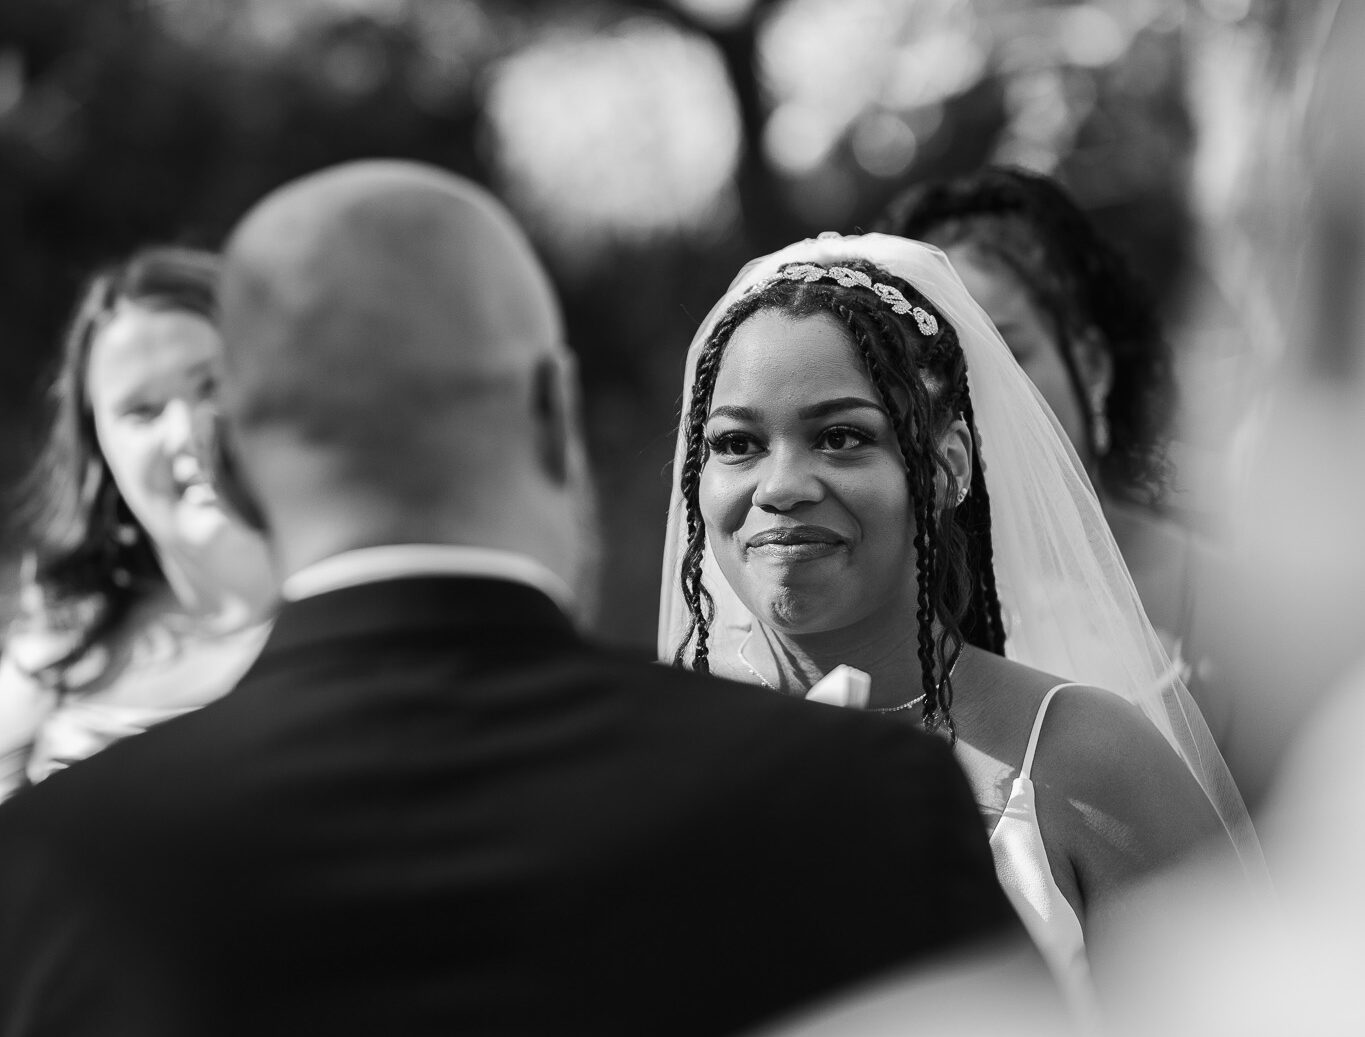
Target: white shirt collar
395	561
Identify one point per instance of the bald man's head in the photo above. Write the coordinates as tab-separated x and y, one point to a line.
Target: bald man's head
392	341
376	290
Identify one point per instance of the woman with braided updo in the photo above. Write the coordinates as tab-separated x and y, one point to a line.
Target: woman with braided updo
1087	333
871	507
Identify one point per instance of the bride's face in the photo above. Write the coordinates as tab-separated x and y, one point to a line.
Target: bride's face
803	494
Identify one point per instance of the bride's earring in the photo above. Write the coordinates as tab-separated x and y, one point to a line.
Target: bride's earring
961	495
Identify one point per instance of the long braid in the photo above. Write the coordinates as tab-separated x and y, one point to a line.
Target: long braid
981	615
953	564
919	434
934	711
914	438
694	593
700	604
986	598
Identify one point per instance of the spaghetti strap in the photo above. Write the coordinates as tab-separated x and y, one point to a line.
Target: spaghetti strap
1027	765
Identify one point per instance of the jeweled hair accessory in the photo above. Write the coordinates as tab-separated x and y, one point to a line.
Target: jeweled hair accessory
842	275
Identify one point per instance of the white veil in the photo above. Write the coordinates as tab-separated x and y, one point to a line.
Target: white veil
1067	599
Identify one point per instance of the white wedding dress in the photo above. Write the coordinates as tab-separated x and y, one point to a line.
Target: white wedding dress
1021	864
1021	860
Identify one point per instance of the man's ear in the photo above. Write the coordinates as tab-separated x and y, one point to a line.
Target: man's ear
555	412
955	446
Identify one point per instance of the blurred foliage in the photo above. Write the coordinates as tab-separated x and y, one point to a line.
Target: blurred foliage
129	121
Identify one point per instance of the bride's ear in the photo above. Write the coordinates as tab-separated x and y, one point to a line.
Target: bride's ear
955	447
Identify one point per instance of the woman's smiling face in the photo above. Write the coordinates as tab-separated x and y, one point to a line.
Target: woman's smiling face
804	493
152	381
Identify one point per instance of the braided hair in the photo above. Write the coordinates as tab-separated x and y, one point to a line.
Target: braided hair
1028	224
922	381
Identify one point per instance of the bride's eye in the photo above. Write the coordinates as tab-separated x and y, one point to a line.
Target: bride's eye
843	437
731	444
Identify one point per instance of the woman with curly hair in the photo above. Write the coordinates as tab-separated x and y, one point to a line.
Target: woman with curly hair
872	508
143	595
1086	333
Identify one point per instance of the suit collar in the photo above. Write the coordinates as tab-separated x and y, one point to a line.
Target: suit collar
460	604
394	561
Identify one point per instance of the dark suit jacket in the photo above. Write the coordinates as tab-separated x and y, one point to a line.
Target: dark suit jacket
430	808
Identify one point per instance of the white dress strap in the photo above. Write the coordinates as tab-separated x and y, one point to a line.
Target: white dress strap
1027	766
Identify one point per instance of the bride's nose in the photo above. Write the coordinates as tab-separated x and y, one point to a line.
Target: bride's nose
786	480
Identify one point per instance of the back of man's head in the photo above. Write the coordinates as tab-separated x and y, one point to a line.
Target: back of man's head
394	364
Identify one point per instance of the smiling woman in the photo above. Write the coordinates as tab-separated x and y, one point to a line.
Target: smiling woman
806	405
144	594
152	382
865	478
793	421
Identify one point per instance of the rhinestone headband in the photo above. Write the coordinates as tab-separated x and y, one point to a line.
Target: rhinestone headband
842	275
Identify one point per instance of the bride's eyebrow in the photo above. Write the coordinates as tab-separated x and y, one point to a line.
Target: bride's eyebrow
735	413
842	403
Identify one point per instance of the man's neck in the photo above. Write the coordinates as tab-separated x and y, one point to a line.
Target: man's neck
381	562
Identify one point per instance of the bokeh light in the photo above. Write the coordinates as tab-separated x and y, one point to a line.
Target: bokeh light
618	135
883	143
718	14
864	78
1091	36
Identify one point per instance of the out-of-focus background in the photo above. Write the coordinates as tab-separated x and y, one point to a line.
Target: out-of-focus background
650	148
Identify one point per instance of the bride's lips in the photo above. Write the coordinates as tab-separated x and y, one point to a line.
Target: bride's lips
796	543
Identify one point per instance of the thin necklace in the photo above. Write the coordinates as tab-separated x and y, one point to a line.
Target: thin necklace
750	666
896	709
918	698
879	709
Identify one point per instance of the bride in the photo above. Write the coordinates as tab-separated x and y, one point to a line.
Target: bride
872	506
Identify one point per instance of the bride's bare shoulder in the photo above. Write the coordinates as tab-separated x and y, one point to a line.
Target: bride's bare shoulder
1096	729
995	701
1083	724
1122	780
